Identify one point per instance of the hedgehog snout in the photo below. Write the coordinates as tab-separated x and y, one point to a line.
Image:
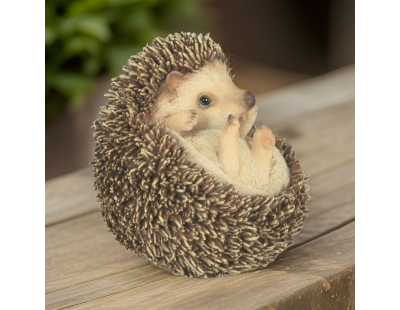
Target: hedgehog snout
249	99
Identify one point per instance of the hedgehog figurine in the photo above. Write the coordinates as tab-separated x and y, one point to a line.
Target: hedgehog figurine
184	178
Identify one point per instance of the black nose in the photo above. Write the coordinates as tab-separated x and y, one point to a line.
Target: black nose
249	99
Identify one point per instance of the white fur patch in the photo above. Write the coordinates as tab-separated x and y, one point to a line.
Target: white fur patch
202	149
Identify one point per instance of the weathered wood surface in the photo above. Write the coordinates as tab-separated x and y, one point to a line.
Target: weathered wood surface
307	272
87	269
70	195
335	87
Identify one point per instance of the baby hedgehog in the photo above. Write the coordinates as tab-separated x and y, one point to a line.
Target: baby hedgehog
180	214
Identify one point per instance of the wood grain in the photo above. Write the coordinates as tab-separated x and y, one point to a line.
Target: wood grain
332	202
70	195
320	272
322	139
83	250
326	90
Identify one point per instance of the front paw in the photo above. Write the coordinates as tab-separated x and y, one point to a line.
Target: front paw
250	116
247	121
182	121
232	127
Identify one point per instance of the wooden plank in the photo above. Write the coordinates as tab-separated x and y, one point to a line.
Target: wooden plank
70	195
325	90
107	285
82	250
328	212
320	272
315	130
61	241
66	235
331	181
322	139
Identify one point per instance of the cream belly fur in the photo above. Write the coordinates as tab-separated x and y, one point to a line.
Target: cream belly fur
203	148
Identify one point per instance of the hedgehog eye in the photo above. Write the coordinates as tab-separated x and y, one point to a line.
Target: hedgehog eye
204	101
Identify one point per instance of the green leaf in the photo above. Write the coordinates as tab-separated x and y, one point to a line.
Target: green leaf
88	6
95	26
117	56
81	44
50	12
135	19
50	35
72	85
148	35
54	105
91	66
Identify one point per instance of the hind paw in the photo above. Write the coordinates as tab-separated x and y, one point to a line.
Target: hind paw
250	116
182	121
264	138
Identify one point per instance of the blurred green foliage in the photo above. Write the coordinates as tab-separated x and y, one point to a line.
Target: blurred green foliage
85	38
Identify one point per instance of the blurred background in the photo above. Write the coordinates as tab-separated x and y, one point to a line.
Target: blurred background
271	44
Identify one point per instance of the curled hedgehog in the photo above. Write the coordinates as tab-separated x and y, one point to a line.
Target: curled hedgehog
160	201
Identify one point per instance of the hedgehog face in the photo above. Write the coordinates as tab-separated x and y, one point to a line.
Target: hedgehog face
209	91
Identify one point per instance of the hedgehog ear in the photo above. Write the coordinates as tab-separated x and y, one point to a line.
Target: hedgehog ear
173	80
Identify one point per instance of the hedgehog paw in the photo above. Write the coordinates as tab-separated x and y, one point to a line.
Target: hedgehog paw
263	138
232	127
247	121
